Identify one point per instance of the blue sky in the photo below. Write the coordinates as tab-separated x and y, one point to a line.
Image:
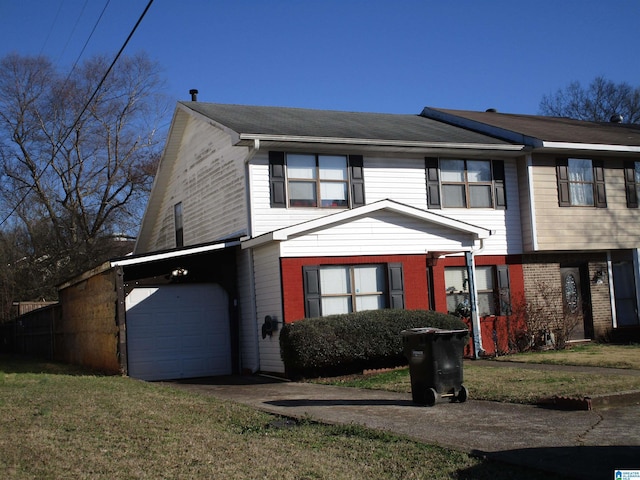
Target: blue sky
393	56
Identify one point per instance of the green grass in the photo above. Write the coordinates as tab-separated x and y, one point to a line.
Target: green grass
590	354
518	385
63	422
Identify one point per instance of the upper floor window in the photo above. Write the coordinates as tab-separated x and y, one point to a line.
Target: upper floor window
178	224
337	289
632	182
465	183
315	180
581	182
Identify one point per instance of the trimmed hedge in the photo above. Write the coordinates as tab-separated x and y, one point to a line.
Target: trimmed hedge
350	343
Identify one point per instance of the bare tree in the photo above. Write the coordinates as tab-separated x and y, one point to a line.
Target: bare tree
76	167
599	102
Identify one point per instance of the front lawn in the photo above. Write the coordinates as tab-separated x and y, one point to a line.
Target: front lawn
518	385
64	422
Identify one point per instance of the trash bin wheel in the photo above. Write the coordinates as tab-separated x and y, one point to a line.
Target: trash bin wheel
463	394
430	397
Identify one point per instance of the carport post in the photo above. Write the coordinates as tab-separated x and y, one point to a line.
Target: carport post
473	302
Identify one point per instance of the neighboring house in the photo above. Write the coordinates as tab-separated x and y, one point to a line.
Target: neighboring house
579	184
264	215
316	213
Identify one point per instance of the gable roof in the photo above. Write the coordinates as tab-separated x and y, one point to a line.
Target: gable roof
544	132
474	231
298	124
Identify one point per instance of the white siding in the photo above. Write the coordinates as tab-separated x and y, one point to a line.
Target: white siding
268	294
208	178
249	355
378	234
401	180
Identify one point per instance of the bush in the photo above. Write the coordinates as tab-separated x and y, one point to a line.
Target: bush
349	343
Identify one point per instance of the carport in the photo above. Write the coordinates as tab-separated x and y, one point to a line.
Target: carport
179	311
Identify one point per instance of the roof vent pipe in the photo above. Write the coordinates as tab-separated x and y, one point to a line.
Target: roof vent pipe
616	118
194	94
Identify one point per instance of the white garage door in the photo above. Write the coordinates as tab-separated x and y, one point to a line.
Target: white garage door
178	331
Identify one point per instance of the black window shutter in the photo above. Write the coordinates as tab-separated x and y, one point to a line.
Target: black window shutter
630	184
562	169
600	192
277	180
498	181
356	174
311	279
504	290
433	182
396	285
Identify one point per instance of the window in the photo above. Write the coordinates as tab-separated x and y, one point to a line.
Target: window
313	180
492	284
177	219
632	183
581	183
336	289
465	183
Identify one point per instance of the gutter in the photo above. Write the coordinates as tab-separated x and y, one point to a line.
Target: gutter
379	142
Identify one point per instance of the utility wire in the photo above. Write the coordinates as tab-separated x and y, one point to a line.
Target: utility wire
75	64
77	120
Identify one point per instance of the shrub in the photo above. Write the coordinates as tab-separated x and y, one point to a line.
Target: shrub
349	343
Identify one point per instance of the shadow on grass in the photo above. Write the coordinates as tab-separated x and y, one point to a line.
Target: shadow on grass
580	462
17	363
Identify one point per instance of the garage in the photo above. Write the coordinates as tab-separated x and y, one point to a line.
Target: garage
178	331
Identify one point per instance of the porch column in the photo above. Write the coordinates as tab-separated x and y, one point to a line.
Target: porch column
473	302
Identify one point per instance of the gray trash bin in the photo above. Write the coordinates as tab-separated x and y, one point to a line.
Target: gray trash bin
435	363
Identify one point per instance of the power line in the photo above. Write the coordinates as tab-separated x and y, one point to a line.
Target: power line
77	120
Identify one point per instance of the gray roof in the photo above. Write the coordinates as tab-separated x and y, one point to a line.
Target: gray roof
261	120
546	129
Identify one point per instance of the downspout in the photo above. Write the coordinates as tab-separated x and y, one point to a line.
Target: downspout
636	277
612	293
251	272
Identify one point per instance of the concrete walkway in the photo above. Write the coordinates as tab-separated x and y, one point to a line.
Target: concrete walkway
579	444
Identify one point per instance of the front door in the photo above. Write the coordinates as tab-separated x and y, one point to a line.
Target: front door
572	303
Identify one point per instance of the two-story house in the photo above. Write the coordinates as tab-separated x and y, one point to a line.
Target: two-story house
579	184
265	215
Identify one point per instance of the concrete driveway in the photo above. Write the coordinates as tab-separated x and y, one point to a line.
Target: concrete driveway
580	444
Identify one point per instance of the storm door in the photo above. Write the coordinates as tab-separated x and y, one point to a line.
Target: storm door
572	302
625	294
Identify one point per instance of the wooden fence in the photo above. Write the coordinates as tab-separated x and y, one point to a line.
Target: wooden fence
32	333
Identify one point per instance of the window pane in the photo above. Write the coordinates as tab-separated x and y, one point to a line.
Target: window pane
453	196
480	196
302	194
581	193
455	279
333	167
455	299
479	170
486	304
333	194
637	164
484	278
301	166
335	280
452	170
336	305
580	170
369	279
369	302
